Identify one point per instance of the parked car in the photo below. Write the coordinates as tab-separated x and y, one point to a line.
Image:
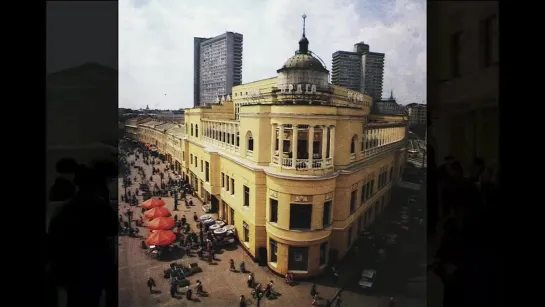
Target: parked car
368	278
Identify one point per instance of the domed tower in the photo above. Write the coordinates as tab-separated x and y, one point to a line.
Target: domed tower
304	74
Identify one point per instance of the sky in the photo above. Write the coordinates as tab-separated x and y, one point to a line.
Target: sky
156	42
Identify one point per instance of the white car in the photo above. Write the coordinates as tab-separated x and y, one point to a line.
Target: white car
368	278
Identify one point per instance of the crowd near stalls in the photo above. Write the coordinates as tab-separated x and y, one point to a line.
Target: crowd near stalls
165	235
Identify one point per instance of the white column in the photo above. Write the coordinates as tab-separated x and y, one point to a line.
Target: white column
324	144
294	148
281	143
332	143
310	145
232	131
273	140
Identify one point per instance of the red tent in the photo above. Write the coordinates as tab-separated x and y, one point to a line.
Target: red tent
161	238
153	203
156	212
161	223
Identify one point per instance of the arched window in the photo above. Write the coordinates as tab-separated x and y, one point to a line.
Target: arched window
362	143
196	130
353	144
191	129
249	141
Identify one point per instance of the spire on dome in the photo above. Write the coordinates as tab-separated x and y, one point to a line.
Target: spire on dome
303	42
392	94
304	17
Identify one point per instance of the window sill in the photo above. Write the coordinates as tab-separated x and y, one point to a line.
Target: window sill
300	229
274	264
247	244
298	272
246	207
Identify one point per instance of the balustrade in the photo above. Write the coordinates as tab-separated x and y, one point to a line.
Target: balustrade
315	160
221	134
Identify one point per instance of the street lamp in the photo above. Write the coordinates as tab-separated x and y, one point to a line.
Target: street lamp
175	200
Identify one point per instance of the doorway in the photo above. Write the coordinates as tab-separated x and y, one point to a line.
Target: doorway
215	204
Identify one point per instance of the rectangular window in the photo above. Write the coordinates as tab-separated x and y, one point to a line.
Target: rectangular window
191	157
300	216
274	210
349	236
246	196
196	130
222	180
455	54
207	173
371	188
391	173
353	201
327	214
232	186
183	156
323	253
489	41
227	184
191	129
274	251
232	211
202	167
363	193
297	258
246	232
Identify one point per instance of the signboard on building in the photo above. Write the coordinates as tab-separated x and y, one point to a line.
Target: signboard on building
308	89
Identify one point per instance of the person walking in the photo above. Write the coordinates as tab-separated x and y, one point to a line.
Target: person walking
315	299
242	301
232	265
151	284
339	301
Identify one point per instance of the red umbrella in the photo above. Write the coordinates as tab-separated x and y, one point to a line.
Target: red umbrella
153	203
156	212
161	238
161	223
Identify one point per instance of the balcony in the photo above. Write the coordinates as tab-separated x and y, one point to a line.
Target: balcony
352	157
302	147
249	154
370	153
303	164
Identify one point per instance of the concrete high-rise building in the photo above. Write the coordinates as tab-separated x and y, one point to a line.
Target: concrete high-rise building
217	66
360	70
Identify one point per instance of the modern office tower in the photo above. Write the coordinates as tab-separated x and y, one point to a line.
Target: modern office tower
217	66
360	70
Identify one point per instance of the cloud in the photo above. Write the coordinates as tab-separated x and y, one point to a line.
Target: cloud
156	41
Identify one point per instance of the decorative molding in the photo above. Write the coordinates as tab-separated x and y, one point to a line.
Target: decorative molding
305	116
329	196
301	198
354	186
273	193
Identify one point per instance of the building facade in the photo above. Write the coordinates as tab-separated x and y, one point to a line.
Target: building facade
418	114
464	115
217	66
298	165
360	70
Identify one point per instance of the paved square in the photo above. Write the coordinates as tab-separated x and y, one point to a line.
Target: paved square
224	287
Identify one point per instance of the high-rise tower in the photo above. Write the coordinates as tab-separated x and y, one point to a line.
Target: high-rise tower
217	66
360	70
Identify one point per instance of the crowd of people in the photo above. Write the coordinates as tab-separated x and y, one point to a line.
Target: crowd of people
86	201
461	210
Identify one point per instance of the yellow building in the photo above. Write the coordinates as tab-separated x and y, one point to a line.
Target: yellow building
298	165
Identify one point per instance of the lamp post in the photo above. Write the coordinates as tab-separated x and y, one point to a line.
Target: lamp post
175	200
